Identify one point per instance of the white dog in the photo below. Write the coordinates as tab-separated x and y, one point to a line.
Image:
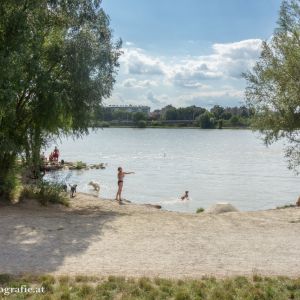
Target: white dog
95	185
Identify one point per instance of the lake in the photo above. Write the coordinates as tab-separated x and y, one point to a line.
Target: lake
213	165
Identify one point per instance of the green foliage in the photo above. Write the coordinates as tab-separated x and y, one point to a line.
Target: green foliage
104	124
139	116
258	287
273	85
206	121
45	192
200	210
58	62
234	121
217	111
220	124
80	165
141	124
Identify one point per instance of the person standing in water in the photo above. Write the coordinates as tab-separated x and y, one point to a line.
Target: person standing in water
121	176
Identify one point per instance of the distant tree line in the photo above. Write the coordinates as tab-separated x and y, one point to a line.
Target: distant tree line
216	117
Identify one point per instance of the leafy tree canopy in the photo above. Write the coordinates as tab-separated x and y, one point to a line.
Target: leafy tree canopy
58	61
273	86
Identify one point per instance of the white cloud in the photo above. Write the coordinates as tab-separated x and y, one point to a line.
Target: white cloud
247	49
137	62
134	83
203	79
227	60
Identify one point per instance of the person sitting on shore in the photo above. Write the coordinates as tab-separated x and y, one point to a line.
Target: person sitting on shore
185	196
121	176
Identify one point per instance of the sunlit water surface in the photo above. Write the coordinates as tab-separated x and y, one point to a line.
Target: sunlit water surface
213	165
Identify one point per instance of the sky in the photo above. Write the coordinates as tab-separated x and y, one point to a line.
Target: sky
189	52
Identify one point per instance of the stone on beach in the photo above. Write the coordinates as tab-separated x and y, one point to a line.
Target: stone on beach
220	208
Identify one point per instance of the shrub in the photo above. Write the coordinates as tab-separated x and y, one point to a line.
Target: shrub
234	121
104	124
45	192
200	210
156	123
141	124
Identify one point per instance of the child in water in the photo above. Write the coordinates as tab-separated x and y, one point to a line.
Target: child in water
185	196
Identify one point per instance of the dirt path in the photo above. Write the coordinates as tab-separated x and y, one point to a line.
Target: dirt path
99	237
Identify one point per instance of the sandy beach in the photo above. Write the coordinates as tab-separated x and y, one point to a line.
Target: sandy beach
100	237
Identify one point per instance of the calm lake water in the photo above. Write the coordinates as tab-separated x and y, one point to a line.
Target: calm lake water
213	165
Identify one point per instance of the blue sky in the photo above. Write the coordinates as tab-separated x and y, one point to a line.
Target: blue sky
187	52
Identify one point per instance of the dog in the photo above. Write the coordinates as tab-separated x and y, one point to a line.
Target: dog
298	202
73	190
95	185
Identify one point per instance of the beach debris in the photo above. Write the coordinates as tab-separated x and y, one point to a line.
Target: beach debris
220	208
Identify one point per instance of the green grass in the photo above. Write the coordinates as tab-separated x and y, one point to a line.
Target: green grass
200	210
87	287
45	193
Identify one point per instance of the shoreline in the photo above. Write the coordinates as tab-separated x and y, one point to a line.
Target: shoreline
174	127
103	238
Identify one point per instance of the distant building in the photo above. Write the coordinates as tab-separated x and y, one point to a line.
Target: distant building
130	108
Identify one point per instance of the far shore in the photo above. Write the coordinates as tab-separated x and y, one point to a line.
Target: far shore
175	127
100	237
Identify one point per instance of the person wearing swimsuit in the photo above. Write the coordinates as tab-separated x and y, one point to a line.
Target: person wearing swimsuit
121	176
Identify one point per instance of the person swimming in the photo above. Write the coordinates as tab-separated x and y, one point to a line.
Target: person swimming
121	176
185	196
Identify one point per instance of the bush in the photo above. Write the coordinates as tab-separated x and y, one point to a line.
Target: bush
141	124
139	116
200	210
234	121
45	192
156	123
104	124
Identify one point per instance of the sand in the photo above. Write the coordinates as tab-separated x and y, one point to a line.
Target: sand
100	237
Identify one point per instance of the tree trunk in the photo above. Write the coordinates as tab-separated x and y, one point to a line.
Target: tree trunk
7	174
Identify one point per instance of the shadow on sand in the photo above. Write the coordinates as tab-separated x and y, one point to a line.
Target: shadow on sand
37	239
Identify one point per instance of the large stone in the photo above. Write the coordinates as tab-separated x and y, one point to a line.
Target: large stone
220	208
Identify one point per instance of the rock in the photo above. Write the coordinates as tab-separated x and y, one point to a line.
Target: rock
97	166
220	208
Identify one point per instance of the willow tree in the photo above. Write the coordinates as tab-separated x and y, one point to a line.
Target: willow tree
273	86
58	61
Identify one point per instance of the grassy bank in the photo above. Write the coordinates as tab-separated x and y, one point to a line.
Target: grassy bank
87	287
